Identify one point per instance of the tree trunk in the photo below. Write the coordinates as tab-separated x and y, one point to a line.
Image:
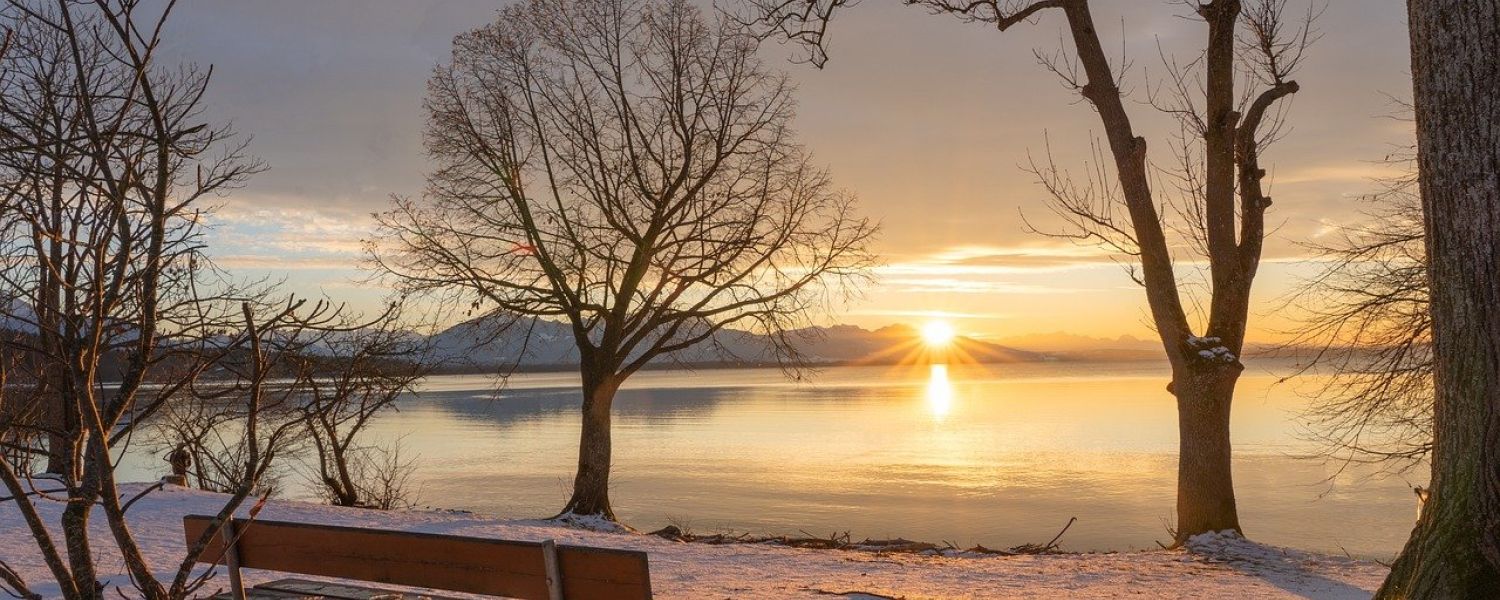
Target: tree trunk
75	524
58	462
344	491
1454	551
1205	479
591	485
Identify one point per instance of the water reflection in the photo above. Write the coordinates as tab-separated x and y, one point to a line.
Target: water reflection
939	392
1005	455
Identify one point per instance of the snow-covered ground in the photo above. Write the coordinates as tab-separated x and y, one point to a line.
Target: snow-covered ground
1213	566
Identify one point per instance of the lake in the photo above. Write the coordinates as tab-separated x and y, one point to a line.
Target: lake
997	455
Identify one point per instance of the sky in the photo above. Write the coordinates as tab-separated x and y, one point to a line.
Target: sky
926	119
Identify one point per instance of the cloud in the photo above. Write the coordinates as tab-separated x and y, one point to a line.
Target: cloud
1341	172
990	269
278	262
962	286
992	260
931	314
305	236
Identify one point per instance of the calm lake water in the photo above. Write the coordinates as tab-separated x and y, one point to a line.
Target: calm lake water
997	455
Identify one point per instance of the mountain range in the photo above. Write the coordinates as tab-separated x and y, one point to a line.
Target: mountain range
487	343
1071	346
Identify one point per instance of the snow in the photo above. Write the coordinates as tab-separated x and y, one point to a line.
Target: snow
591	523
1211	348
1212	566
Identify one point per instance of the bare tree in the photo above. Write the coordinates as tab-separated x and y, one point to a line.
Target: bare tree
334	374
207	420
360	376
105	166
1227	100
1454	551
1365	317
250	388
206	426
627	167
106	170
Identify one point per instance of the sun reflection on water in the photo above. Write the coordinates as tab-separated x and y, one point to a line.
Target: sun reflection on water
939	391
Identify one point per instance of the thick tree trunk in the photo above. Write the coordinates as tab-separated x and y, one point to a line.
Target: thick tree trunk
1454	551
1205	480
591	484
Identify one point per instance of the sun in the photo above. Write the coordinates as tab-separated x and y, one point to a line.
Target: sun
937	334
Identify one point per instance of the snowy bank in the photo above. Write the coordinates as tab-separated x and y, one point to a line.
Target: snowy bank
1213	566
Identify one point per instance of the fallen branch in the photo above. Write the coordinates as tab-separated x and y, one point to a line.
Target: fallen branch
841	541
1049	547
854	593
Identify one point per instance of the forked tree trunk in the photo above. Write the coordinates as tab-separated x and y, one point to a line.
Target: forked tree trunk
1205	480
344	491
591	484
1204	387
1454	551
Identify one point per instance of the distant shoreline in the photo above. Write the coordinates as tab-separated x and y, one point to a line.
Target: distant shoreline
554	368
1106	355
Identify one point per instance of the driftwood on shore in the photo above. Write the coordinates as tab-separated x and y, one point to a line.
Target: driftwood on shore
841	541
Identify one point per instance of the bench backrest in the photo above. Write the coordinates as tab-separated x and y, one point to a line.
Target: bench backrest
445	562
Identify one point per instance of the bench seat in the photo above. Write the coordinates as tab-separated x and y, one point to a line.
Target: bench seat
294	588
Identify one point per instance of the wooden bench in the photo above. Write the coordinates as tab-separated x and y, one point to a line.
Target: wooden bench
527	570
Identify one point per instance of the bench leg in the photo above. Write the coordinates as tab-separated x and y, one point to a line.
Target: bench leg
232	560
554	572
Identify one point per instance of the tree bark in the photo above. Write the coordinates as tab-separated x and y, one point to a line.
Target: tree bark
1454	551
57	456
1205	479
591	484
75	524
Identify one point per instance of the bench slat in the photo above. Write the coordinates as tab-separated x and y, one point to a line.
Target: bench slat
461	564
338	591
259	593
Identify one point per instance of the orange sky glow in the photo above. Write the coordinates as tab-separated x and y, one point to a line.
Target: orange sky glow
926	119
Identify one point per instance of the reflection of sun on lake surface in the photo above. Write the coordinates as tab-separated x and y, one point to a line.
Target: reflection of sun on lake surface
939	392
997	455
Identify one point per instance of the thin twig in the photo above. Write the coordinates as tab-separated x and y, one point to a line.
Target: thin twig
155	486
1053	543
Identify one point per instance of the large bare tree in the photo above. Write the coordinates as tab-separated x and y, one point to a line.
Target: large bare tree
1227	100
1454	551
626	167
